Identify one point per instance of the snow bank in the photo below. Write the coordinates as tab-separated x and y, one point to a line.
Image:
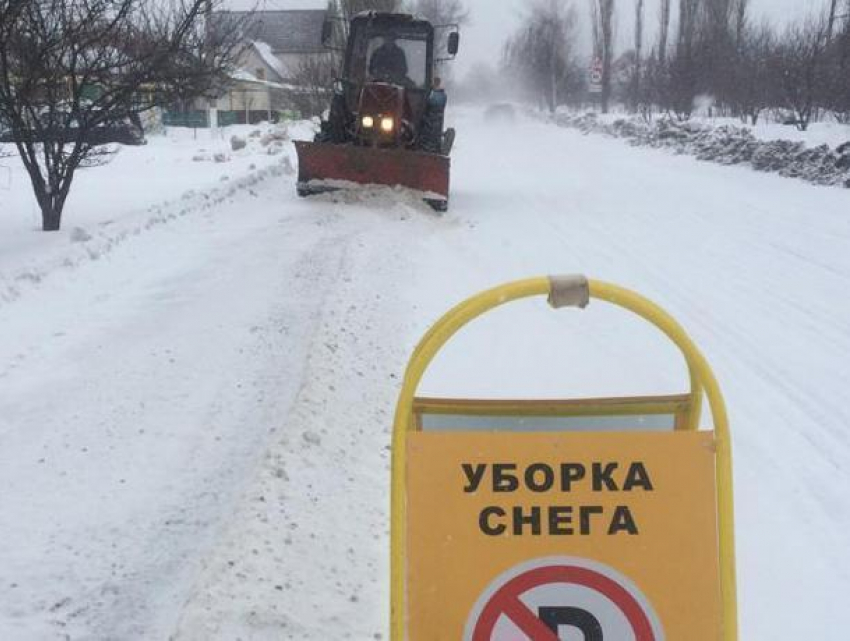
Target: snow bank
726	145
175	175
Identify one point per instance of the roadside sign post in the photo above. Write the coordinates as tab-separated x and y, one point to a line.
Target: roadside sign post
595	77
608	518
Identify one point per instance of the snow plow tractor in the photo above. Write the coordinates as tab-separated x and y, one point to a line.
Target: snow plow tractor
386	120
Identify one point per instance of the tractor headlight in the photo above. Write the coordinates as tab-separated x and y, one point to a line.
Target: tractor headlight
368	122
387	125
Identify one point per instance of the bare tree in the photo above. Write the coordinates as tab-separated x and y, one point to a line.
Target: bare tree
638	67
442	12
314	76
831	18
684	67
652	90
347	9
663	31
70	67
688	22
595	30
602	14
754	86
798	68
837	65
542	53
841	104
741	15
743	69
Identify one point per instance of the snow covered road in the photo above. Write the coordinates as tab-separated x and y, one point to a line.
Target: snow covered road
194	428
138	394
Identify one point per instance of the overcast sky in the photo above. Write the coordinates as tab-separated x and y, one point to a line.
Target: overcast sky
492	21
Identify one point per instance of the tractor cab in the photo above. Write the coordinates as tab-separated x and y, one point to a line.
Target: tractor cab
391	48
388	74
385	125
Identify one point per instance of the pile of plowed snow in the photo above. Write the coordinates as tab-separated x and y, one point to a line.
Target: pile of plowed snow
726	145
175	174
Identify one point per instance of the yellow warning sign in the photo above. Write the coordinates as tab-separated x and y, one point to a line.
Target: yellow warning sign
639	507
599	519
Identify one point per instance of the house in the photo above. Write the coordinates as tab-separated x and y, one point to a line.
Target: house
278	44
265	82
279	41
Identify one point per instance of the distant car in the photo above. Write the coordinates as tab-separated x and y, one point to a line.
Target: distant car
122	132
501	113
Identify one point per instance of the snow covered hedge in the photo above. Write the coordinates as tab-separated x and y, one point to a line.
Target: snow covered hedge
727	145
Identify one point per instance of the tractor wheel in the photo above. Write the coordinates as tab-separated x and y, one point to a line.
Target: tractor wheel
448	142
440	206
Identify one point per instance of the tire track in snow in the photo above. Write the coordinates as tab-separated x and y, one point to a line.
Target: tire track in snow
306	557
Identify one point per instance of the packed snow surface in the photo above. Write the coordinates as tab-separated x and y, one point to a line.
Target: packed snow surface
198	377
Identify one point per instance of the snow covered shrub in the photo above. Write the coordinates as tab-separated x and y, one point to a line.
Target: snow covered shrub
725	145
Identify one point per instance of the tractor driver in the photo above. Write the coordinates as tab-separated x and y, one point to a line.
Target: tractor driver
389	62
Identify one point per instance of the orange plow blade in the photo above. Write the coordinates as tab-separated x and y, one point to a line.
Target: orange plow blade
324	167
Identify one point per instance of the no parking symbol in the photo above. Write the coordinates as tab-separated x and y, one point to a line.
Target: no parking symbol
563	599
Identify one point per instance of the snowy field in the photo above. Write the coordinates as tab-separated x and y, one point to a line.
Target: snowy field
198	386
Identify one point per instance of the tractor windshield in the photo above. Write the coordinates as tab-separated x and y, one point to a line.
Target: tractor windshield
390	57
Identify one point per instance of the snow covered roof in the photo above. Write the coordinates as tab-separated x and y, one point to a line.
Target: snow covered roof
291	31
265	52
246	76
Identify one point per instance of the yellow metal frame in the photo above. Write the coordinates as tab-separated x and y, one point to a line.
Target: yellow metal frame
679	407
702	380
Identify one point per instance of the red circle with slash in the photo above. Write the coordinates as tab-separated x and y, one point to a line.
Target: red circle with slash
506	601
